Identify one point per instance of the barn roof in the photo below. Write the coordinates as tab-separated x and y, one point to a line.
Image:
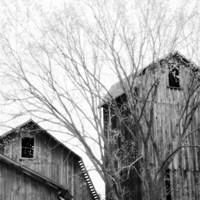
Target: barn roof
30	121
116	90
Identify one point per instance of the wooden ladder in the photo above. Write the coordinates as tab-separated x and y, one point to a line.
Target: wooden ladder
88	180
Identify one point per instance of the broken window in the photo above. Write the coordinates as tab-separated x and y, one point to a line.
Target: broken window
27	147
174	80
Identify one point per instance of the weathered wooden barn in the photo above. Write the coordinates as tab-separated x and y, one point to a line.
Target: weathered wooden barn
175	123
35	165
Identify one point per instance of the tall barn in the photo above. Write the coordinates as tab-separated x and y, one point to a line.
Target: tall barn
174	126
35	165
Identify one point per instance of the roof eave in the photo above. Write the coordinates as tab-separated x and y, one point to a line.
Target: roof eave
31	173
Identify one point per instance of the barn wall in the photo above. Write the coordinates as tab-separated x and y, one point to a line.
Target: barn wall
184	169
168	107
50	159
14	185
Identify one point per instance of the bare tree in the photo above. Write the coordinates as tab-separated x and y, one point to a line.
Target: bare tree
58	66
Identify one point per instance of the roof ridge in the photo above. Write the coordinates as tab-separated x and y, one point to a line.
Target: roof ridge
116	89
41	128
19	126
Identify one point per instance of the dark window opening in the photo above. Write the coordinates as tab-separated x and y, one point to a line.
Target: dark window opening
27	147
136	91
168	185
114	122
174	80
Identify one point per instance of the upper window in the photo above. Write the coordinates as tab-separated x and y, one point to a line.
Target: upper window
174	81
27	150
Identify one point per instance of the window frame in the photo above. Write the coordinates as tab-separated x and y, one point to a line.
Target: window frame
170	69
26	158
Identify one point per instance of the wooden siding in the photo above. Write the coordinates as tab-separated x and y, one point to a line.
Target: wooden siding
50	159
15	185
169	103
184	169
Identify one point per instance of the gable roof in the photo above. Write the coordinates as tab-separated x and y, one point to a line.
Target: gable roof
30	121
116	90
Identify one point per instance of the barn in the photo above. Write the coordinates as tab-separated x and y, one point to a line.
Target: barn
153	116
35	165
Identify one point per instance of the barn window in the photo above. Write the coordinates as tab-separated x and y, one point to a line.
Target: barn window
27	150
174	81
168	185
